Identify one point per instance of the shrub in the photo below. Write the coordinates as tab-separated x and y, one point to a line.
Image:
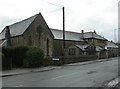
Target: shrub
6	58
8	52
34	57
22	56
47	61
19	54
14	55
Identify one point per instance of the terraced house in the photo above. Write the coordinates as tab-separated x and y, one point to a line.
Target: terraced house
34	31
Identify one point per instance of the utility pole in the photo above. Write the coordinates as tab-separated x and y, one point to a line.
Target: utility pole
115	35
63	35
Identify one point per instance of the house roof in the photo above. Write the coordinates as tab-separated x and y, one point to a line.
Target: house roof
18	28
98	48
111	45
88	35
58	34
83	47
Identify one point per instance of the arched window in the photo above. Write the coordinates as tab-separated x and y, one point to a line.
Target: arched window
47	47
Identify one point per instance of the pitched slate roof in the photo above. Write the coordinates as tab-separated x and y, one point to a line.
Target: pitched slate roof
98	48
93	35
58	34
111	45
18	28
83	47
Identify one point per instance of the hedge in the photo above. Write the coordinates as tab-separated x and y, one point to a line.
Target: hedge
47	61
21	56
15	54
6	58
34	57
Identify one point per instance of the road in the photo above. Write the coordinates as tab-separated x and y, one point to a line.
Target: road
90	75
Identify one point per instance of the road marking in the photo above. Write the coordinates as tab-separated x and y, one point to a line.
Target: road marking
65	75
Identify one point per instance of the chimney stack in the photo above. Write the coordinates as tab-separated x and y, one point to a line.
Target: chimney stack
94	31
7	32
82	34
7	36
82	31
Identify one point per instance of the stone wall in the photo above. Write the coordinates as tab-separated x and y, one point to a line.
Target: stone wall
78	52
97	42
112	52
36	35
58	46
68	60
17	41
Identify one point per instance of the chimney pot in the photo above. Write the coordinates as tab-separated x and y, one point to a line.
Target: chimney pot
82	31
82	34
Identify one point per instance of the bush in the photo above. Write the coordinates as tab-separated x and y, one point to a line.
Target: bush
34	57
13	56
6	58
22	56
8	52
47	61
6	64
19	54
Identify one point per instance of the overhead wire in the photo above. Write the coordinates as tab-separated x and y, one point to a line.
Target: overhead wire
60	8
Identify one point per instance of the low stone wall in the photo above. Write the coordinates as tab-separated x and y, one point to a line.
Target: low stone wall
68	60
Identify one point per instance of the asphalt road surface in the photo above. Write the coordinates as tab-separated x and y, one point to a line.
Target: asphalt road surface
90	75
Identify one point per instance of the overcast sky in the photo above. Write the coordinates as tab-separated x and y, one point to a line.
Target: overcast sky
89	15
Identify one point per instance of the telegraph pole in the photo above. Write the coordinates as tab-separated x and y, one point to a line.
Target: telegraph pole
115	35
63	35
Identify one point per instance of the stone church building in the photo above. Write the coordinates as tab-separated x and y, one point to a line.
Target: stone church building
34	31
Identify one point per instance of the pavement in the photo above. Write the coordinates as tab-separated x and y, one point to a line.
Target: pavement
90	62
90	74
42	69
23	71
